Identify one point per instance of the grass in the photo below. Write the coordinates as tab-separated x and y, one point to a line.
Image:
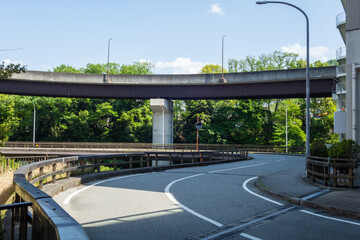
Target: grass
263	185
6	194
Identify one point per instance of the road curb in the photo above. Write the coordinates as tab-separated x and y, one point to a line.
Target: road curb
310	204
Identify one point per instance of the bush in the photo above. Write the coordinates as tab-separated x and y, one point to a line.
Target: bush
318	149
346	149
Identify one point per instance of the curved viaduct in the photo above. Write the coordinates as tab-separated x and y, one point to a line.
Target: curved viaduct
245	85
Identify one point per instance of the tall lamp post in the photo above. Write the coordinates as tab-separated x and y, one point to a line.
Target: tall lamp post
307	71
34	123
108	60
286	129
222	59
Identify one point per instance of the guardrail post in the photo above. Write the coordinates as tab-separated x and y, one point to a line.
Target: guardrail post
68	172
156	159
54	170
41	181
29	176
192	157
12	227
141	161
98	166
182	157
114	164
130	162
23	223
147	159
16	213
334	178
169	158
82	163
36	227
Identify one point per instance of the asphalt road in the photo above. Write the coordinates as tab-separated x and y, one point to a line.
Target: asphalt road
211	202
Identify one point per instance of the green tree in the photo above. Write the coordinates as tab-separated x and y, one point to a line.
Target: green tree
67	69
7	116
8	70
212	68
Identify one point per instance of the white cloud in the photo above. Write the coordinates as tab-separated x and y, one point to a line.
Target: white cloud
144	61
215	8
181	66
8	61
316	53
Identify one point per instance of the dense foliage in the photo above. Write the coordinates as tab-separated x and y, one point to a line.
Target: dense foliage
122	120
318	148
6	70
346	149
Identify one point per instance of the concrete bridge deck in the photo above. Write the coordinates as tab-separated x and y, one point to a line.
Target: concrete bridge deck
249	85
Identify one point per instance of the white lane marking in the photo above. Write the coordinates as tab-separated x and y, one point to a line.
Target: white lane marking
170	196
249	236
330	218
229	169
68	198
315	194
248	223
280	160
267	199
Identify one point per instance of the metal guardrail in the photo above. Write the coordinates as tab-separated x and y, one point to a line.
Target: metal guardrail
340	18
338	172
340	53
140	147
12	163
19	213
341	70
50	221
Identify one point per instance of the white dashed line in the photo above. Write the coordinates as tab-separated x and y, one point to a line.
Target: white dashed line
315	194
249	236
330	218
229	169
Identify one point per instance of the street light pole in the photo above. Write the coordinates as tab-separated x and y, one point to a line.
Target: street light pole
286	129
222	59
307	71
107	76
34	123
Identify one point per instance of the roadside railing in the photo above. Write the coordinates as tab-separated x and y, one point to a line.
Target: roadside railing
44	172
50	221
18	214
13	163
141	147
340	19
331	171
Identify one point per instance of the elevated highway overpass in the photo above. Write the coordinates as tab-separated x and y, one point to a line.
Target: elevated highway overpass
161	89
244	85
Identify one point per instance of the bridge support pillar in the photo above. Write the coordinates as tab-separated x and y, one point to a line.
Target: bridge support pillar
162	120
353	75
162	124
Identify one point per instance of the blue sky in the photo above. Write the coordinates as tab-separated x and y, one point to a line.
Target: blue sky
177	36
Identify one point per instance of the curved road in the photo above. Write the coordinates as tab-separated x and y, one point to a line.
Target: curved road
211	202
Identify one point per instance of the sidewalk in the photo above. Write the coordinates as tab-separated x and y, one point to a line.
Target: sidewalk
290	186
